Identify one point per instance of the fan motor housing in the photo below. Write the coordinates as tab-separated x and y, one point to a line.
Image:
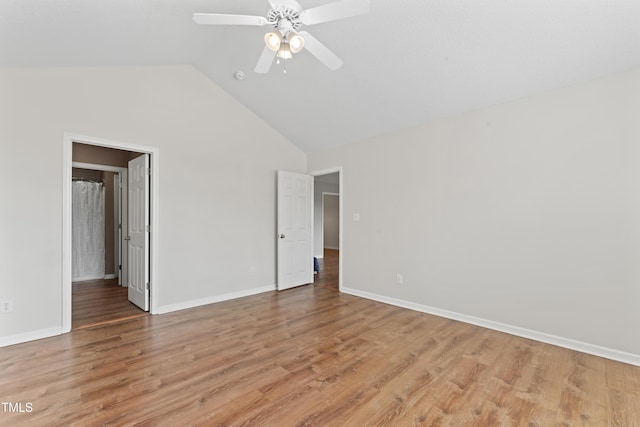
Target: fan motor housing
285	16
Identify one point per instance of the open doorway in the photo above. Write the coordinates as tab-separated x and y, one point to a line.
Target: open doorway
89	299
99	252
97	221
327	228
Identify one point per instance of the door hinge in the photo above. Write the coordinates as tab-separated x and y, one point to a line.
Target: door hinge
120	267
148	171
147	285
147	228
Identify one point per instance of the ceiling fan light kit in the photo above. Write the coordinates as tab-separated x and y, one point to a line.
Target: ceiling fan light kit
284	52
296	42
273	40
288	17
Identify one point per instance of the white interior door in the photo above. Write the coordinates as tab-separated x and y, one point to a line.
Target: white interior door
295	259
138	207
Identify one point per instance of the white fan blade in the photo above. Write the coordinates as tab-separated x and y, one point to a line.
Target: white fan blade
334	11
320	51
221	19
265	61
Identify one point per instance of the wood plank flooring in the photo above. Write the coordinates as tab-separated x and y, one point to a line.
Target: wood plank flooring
328	274
101	301
309	356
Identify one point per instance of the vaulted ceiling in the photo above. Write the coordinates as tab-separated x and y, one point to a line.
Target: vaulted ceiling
406	62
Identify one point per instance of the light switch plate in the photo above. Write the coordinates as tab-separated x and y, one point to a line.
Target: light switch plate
6	306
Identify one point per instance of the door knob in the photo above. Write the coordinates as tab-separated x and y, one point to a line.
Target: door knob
282	236
127	238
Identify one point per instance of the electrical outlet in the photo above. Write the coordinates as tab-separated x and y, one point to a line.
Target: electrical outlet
399	279
6	306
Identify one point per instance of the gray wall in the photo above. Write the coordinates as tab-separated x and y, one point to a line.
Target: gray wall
331	221
217	164
525	214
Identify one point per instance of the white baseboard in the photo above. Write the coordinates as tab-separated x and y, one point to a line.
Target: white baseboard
30	336
332	248
596	350
319	256
210	300
87	278
109	276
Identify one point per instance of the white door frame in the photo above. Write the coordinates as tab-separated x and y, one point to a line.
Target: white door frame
67	165
119	171
341	216
117	219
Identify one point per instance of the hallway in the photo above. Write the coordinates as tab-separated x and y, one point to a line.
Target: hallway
328	274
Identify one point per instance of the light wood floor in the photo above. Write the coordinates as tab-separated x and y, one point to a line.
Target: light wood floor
101	301
310	356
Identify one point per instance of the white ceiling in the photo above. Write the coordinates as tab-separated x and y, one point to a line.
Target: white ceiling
407	62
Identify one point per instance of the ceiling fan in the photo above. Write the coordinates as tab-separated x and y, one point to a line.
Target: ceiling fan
287	17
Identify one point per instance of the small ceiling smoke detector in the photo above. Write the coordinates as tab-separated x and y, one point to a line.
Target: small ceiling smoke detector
239	75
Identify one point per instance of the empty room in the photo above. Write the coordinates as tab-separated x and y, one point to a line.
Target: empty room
320	212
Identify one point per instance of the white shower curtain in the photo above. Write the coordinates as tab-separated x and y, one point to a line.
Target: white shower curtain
87	230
